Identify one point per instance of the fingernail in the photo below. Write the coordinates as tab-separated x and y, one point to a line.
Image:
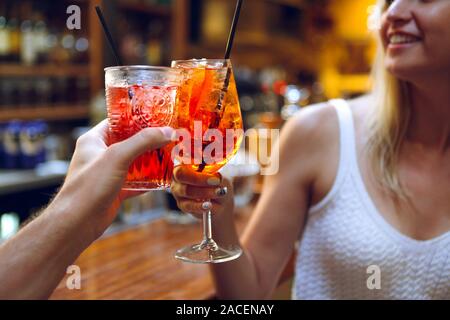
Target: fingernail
207	205
213	181
168	132
221	191
175	137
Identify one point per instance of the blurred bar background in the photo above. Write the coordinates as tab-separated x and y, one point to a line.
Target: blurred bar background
287	54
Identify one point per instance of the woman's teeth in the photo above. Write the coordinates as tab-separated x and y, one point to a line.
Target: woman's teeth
401	39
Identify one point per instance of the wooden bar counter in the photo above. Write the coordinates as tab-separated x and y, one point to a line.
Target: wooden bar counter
139	263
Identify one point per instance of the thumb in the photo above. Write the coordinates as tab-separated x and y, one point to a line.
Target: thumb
145	140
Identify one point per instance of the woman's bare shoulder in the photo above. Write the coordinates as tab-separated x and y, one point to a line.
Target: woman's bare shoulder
310	142
309	145
361	109
313	125
317	126
361	106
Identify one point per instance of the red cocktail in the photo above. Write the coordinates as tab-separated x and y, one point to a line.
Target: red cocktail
138	97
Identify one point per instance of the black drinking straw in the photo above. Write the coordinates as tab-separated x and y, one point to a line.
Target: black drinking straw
108	35
111	43
230	42
226	83
237	13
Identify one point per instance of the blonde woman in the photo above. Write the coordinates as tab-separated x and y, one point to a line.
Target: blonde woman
363	190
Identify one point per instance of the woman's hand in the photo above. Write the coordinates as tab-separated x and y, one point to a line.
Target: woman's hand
97	172
198	192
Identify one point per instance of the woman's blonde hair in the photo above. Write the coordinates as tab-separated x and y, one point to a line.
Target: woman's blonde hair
389	119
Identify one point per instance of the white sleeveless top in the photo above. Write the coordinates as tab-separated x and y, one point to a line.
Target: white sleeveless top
347	247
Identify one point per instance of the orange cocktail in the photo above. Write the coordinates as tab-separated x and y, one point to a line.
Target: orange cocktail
208	108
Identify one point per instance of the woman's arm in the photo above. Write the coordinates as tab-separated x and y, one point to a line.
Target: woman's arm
34	261
278	219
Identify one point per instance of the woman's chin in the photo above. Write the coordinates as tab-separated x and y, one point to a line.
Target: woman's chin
402	71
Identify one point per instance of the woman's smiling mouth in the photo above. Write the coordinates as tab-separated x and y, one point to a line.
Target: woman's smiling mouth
400	40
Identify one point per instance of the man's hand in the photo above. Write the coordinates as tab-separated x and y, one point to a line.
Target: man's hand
97	172
34	261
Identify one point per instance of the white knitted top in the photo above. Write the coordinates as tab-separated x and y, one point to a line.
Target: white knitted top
345	237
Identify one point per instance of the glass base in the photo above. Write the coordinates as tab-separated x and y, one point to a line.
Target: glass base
200	254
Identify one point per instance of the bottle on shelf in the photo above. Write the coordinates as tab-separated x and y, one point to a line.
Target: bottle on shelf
28	51
27	93
32	144
52	44
11	145
23	144
28	36
68	46
81	50
2	152
59	90
43	89
82	89
5	46
40	39
8	92
154	43
13	27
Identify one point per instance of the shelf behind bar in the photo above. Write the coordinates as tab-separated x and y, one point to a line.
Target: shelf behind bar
56	112
140	7
298	4
44	70
14	181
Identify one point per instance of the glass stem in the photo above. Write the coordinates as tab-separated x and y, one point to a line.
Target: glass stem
208	243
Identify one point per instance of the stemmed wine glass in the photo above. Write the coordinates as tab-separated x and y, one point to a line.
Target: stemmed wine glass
208	108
